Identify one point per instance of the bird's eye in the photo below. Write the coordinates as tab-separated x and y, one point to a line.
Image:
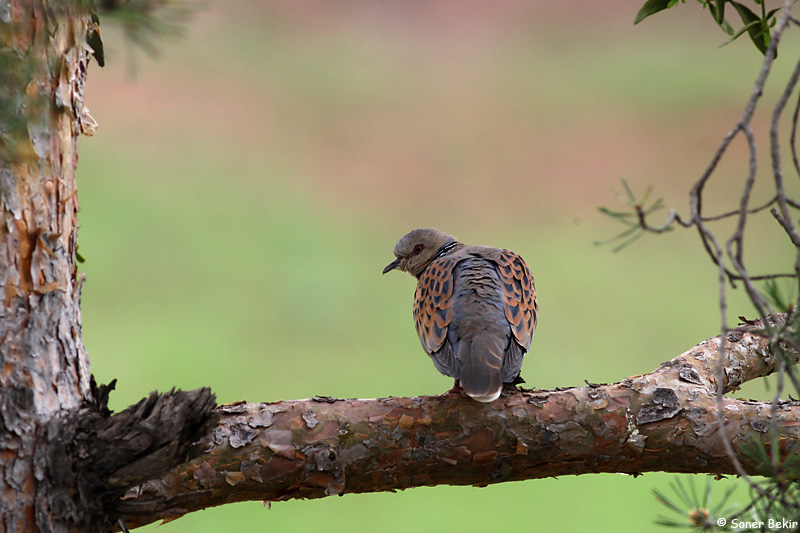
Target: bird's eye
418	249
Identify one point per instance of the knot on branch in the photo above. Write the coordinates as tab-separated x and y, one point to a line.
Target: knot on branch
325	467
664	405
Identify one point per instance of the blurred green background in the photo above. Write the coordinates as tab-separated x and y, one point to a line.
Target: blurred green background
245	189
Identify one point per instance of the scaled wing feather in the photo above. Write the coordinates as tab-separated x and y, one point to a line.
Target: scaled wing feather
519	295
433	304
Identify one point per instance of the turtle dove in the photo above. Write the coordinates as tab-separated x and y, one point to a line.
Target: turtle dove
474	308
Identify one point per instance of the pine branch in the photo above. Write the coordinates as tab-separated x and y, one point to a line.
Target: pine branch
663	421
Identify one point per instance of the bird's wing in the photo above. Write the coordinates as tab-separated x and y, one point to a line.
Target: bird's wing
433	312
519	295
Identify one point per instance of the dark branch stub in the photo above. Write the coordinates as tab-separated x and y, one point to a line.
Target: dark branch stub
104	455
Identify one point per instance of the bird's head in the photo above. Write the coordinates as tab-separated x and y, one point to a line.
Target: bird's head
415	250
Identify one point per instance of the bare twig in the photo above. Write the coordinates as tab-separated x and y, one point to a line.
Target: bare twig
737	212
730	259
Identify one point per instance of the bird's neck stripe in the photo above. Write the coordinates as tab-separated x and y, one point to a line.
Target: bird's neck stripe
444	250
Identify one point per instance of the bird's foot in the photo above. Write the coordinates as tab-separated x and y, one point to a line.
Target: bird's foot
456	390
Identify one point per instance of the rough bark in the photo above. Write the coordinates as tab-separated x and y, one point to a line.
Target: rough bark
44	365
663	421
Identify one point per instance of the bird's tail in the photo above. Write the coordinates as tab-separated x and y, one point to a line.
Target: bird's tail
481	363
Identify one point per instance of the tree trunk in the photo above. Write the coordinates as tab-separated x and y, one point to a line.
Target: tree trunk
45	370
62	458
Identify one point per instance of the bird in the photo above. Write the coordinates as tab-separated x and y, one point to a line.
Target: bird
475	309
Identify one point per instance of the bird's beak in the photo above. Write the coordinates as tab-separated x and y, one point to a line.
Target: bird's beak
391	266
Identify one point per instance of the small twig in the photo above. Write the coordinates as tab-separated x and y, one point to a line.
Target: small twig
775	149
672	218
734	245
751	211
779	219
720	368
793	136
